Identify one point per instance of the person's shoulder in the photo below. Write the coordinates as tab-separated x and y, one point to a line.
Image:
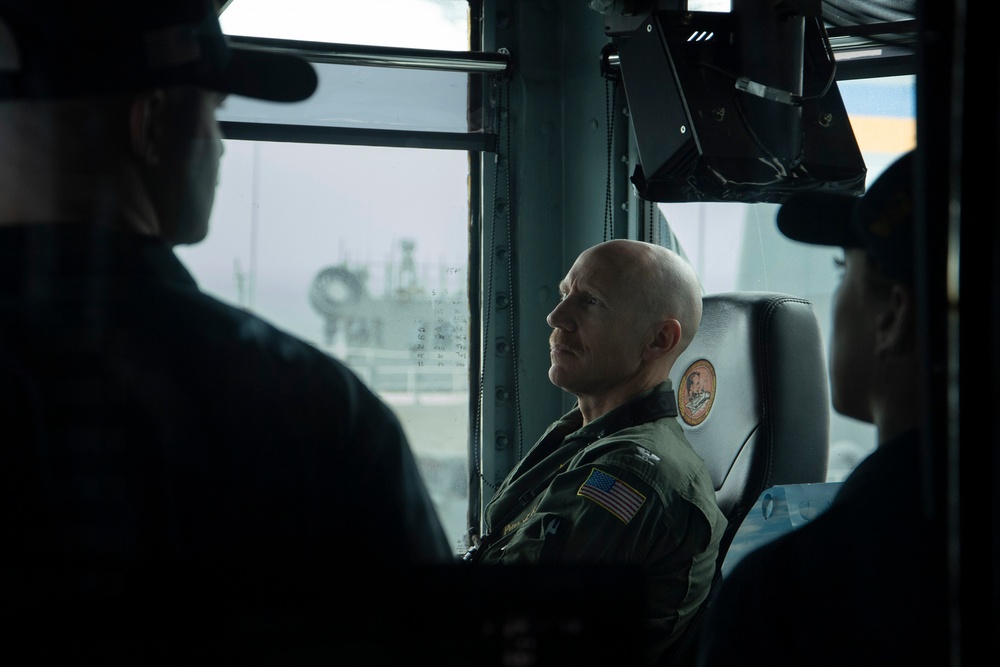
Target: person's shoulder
248	331
628	452
734	622
663	438
807	559
659	452
250	345
243	329
835	596
640	458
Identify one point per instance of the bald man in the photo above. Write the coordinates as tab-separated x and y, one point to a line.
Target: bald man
615	480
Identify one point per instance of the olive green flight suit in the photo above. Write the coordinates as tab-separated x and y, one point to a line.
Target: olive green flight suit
629	488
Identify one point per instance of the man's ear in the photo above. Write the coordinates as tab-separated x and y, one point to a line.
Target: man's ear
665	339
146	128
894	327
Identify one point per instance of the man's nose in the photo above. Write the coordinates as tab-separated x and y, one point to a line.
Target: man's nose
561	317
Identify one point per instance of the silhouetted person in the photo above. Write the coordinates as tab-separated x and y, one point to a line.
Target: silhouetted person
158	441
865	583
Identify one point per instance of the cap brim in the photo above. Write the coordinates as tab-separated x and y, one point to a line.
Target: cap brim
820	218
269	76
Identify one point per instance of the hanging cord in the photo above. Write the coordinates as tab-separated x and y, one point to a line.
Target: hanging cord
611	75
500	160
651	207
511	291
488	307
610	102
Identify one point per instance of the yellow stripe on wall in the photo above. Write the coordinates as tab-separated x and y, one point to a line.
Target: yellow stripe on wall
879	134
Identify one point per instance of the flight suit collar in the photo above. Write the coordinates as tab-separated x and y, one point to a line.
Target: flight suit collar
569	430
564	439
642	408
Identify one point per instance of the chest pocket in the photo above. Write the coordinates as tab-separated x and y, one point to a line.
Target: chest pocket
538	538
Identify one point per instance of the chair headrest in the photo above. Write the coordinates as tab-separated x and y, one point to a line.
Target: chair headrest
753	397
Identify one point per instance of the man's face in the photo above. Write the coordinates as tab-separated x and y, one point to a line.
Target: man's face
597	339
852	348
194	163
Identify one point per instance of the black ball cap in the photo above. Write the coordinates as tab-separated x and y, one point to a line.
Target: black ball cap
881	221
52	49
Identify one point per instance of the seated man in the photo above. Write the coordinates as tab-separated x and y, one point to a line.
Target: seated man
865	583
157	441
615	480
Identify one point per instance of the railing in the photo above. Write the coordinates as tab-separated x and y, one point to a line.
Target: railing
442	377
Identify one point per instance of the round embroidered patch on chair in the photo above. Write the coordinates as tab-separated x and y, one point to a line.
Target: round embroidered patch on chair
696	392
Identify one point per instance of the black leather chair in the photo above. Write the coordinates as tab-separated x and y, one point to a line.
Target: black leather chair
753	399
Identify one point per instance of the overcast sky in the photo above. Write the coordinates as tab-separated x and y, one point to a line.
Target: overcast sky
422	24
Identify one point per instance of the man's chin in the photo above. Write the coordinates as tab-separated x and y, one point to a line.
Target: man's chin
558	376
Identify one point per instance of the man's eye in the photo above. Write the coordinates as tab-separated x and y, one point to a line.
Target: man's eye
840	263
586	300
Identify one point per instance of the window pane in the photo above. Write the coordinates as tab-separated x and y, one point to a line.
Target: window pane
359	95
372	98
737	246
416	24
362	252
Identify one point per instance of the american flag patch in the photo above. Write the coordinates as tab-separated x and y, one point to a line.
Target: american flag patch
612	494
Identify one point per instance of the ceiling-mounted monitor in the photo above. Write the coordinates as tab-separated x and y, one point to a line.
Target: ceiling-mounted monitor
736	106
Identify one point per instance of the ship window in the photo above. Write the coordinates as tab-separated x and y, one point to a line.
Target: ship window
354	244
742	249
415	24
304	236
